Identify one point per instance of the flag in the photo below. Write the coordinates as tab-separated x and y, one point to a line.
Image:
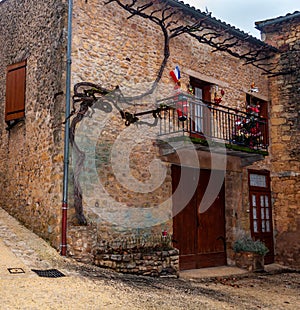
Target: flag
175	74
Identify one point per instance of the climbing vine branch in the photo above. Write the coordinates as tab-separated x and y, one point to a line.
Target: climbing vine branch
168	16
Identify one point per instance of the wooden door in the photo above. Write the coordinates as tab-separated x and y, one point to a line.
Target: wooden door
200	237
211	227
261	210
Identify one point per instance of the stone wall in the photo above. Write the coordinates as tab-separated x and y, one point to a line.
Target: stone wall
82	241
153	256
110	50
235	213
122	192
159	263
31	153
285	139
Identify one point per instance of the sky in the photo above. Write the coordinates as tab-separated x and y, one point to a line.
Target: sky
243	14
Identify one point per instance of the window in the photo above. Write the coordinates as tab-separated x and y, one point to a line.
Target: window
261	209
202	91
262	105
262	108
258	180
15	92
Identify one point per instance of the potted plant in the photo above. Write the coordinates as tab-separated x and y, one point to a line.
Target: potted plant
249	254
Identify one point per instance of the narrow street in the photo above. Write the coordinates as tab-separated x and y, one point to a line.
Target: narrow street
89	287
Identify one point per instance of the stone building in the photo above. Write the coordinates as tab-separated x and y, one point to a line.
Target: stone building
284	33
32	137
205	162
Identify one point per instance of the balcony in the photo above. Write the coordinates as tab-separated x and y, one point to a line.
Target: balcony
244	134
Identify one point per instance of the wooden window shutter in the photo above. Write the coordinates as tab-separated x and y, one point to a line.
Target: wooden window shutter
15	91
207	93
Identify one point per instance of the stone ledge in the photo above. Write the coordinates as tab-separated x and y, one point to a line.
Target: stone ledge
160	263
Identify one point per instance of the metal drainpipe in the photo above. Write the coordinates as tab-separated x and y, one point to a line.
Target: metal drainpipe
63	246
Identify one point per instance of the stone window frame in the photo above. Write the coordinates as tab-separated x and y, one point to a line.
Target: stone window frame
15	92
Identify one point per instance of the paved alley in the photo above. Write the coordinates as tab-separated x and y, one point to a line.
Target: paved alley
88	287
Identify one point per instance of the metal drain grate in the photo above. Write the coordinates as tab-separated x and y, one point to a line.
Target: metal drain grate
50	273
15	270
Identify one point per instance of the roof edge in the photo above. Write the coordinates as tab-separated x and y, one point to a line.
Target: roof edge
261	24
231	29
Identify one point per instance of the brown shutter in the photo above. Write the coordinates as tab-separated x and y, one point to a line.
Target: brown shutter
15	91
206	93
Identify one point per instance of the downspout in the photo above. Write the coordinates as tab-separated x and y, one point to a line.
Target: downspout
63	247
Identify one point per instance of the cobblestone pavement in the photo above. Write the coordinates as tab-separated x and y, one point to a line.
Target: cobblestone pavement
88	287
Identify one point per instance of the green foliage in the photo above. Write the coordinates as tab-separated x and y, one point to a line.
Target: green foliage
247	244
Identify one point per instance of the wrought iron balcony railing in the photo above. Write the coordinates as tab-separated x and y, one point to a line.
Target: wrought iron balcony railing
201	120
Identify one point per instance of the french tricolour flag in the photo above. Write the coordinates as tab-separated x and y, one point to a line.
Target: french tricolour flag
175	74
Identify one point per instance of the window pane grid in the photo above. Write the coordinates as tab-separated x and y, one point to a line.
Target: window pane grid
258	180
